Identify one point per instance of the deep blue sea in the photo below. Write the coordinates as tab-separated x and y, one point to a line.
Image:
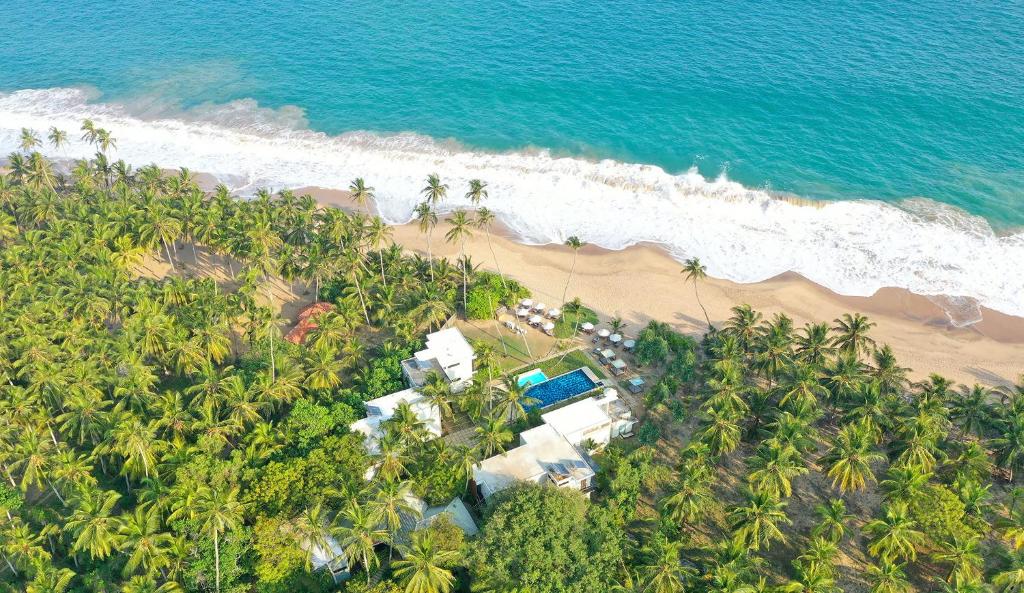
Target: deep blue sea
622	121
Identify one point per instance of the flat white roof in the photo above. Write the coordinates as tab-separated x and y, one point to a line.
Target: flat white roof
542	446
424	410
448	346
581	415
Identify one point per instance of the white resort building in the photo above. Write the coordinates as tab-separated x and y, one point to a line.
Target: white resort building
447	352
553	453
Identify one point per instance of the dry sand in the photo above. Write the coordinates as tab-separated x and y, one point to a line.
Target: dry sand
642	283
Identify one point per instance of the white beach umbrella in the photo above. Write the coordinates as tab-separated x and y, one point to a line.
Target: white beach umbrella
539	307
629	344
536	319
603	333
522	312
526	303
615	338
554	313
587	326
549	326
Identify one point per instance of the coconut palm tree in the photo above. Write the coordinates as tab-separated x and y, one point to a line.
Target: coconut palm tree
458	232
513	399
690	499
218	511
360	193
58	138
575	245
424	567
850	458
886	577
426	218
143	543
773	468
29	140
755	522
390	502
894	536
492	436
477	191
434	191
662	569
377	235
832	520
93	525
694	271
960	552
358	530
852	334
1010	579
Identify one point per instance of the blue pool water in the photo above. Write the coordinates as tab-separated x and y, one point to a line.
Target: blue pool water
532	378
560	388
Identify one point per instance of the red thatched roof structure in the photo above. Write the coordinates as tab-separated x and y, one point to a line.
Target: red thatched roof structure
307	321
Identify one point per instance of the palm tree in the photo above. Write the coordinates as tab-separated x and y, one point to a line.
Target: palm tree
459	232
377	234
93	524
218	511
832	520
477	191
434	191
1011	578
690	500
773	469
663	570
895	536
361	194
852	335
390	503
492	436
755	522
358	530
850	458
58	138
514	399
427	220
142	541
29	140
424	566
886	577
695	271
575	245
961	553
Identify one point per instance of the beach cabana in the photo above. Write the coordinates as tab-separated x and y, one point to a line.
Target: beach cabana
603	333
615	338
523	312
607	355
587	327
540	307
536	320
527	303
549	328
629	344
636	385
554	313
618	367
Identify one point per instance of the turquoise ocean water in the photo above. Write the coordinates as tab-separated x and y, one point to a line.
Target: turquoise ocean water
691	110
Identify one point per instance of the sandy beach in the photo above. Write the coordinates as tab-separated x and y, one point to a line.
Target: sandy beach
641	283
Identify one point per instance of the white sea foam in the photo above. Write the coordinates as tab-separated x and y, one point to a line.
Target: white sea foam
853	247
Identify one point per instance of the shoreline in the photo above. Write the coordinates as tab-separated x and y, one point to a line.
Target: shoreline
642	282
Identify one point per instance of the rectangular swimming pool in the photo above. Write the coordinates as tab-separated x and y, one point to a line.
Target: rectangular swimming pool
560	388
531	378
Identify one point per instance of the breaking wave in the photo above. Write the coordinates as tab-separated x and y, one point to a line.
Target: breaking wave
853	247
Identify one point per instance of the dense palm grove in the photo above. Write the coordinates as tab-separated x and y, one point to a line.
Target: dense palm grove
158	435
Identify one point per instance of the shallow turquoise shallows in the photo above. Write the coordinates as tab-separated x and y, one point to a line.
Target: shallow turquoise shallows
884	100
